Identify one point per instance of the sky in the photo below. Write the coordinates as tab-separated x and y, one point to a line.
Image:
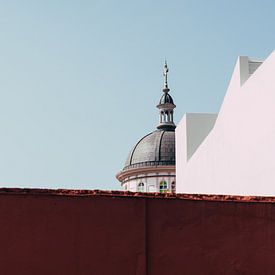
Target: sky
80	80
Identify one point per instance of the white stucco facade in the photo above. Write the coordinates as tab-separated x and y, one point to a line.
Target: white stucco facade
150	182
237	155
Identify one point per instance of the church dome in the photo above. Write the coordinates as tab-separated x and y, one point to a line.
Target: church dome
156	148
150	166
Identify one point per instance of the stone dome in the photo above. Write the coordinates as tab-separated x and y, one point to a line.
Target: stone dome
156	148
150	166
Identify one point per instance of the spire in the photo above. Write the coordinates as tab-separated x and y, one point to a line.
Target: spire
165	74
166	105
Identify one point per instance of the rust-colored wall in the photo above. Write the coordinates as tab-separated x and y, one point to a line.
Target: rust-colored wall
95	233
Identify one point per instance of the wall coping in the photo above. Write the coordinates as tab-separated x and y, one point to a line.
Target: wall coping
128	194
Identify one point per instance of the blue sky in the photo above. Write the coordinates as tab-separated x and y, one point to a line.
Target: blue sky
79	80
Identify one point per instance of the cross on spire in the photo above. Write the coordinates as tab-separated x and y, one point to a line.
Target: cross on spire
165	74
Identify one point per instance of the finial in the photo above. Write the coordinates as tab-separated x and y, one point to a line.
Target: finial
165	74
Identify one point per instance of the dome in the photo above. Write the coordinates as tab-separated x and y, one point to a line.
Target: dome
156	148
166	98
150	166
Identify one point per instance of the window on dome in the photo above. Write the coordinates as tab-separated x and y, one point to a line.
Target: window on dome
173	187
163	187
140	187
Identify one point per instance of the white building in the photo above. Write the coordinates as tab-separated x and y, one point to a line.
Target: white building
150	166
233	152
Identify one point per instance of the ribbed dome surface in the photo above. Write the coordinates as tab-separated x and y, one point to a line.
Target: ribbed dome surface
156	148
166	98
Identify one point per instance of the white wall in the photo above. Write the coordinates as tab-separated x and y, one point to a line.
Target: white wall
192	130
151	182
238	155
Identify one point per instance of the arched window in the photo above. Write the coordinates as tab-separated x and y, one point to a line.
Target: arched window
140	187
171	116
173	187
161	117
163	187
166	116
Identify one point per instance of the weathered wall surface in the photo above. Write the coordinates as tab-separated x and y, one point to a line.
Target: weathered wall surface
78	232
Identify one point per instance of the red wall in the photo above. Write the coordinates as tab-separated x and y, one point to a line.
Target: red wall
81	232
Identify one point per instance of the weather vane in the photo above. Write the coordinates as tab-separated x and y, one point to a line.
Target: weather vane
165	74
